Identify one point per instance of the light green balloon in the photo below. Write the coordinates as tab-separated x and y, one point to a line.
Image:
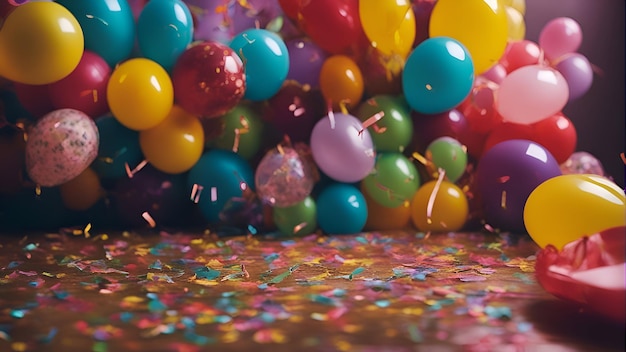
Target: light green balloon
394	180
248	122
299	219
449	154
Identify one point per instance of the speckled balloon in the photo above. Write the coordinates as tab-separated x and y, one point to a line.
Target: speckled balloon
61	146
582	163
283	177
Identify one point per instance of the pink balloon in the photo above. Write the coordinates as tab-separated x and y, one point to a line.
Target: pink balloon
342	148
521	53
531	93
560	36
60	146
495	74
577	72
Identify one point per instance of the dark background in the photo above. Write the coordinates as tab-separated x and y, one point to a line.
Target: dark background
599	115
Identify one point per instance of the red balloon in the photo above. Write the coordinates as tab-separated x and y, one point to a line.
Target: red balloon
382	75
479	107
558	135
506	131
521	53
85	88
290	8
208	79
34	98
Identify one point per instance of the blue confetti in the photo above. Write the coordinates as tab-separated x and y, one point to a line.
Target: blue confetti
207	273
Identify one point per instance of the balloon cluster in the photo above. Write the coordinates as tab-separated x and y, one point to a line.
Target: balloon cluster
296	116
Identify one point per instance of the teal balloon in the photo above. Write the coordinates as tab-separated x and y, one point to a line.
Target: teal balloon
164	31
266	62
395	180
108	27
341	209
247	120
438	75
393	132
448	154
299	219
223	176
118	146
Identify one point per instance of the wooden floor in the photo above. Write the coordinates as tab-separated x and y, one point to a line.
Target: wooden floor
183	291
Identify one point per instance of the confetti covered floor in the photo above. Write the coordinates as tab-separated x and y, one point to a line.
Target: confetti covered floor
169	291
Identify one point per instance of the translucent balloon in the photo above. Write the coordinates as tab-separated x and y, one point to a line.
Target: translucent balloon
60	146
83	191
393	181
582	163
480	25
568	207
299	219
40	43
448	154
531	94
389	25
438	75
140	93
341	81
342	148
341	209
560	36
174	145
439	207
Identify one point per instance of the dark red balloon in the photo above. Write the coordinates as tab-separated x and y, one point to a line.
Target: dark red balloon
85	88
506	131
423	9
208	79
34	98
382	75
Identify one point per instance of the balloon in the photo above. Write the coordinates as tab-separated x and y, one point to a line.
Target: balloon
565	208
521	53
481	26
479	107
342	149
560	36
40	43
210	21
299	219
439	206
519	5
438	75
242	131
119	146
140	93
495	74
221	179
82	192
253	14
393	181
423	10
382	74
305	61
174	145
35	99
341	81
12	154
588	272
558	135
507	131
84	89
60	146
448	154
582	163
284	176
266	62
382	218
516	25
164	30
506	175
341	209
578	73
108	27
393	132
389	25
208	79
531	94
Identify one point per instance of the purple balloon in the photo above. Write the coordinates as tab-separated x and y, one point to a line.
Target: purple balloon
342	148
253	14
305	61
577	72
210	23
506	175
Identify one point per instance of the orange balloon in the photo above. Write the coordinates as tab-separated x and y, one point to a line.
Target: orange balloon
82	192
176	144
381	218
341	81
442	208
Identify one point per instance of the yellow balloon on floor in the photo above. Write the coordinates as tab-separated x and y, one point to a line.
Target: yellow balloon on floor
380	218
480	25
568	207
82	192
442	208
40	43
140	93
389	25
176	144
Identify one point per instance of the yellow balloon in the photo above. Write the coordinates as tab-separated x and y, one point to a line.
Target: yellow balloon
389	25
140	93
480	25
381	218
40	43
440	208
519	5
175	145
82	192
517	26
568	207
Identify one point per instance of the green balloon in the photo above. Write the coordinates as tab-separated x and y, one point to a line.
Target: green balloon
299	219
449	154
393	132
242	123
394	180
